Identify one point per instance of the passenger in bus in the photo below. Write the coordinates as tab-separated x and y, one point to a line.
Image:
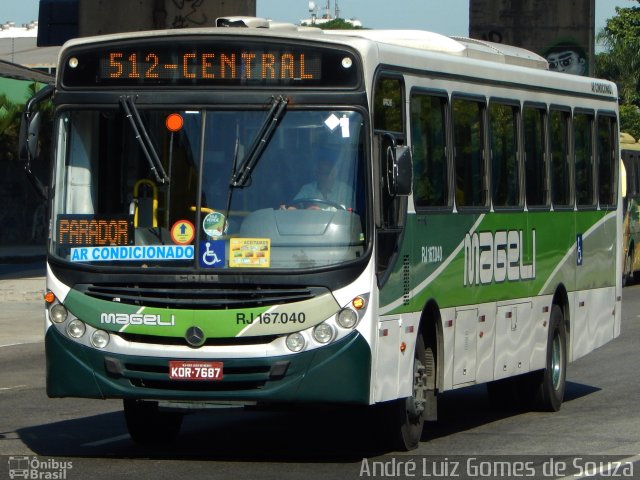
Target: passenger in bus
326	186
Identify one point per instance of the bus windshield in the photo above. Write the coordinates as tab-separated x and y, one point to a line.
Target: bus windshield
159	192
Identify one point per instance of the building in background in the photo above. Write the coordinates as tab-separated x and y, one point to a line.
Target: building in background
327	16
63	19
562	32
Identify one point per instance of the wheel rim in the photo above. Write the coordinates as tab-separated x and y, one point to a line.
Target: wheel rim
416	404
556	361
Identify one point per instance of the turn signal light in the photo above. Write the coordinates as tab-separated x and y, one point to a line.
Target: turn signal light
49	297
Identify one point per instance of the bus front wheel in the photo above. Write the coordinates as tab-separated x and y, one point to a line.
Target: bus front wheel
148	425
406	415
550	391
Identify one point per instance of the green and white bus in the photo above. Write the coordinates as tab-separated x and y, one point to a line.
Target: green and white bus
475	237
630	182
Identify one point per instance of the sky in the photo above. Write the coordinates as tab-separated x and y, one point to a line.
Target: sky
450	18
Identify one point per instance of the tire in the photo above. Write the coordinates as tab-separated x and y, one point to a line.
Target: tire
148	425
405	416
550	389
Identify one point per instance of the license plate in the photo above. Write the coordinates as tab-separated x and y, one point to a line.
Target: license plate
194	370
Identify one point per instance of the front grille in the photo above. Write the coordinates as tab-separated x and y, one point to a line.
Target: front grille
211	342
199	296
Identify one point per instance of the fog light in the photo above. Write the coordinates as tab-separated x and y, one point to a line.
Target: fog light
75	328
295	342
347	318
99	339
323	333
58	313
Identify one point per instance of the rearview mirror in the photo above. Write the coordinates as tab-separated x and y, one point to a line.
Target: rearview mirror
399	170
29	136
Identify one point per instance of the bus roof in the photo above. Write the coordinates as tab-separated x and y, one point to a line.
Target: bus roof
397	47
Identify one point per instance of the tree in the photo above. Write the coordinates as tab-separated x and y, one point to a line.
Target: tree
620	63
9	128
336	24
630	120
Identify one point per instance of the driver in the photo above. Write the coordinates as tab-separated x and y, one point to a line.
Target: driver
326	187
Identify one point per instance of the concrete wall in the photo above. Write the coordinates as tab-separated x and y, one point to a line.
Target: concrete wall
561	31
110	16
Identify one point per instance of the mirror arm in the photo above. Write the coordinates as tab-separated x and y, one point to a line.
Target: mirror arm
42	94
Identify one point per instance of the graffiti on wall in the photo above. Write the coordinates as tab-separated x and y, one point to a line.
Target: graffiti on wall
567	57
190	13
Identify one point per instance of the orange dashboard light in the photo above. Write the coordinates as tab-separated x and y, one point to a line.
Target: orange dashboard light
49	297
174	122
358	303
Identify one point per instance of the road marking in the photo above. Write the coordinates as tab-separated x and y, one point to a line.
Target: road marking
12	388
19	343
98	443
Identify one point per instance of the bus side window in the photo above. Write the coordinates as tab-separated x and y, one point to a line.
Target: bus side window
536	179
583	153
391	209
388	120
387	108
429	143
560	167
504	154
468	138
607	162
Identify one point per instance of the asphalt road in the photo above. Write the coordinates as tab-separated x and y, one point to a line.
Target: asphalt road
88	439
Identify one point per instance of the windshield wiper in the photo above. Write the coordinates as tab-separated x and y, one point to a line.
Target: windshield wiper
242	176
131	112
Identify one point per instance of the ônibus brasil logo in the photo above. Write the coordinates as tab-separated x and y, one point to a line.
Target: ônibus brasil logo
38	468
497	257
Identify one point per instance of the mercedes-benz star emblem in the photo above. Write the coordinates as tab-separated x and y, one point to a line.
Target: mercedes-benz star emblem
194	336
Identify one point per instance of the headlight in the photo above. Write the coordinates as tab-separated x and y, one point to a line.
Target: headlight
99	339
75	328
323	333
295	342
347	318
58	313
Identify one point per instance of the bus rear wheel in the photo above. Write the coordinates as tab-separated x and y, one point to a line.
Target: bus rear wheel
148	425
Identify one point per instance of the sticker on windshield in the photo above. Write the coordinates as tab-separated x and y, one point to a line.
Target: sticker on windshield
212	254
214	224
250	252
182	232
333	122
132	253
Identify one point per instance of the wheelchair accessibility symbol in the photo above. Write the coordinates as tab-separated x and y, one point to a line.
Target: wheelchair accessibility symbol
579	251
212	254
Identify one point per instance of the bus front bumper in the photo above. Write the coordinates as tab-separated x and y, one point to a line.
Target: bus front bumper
337	373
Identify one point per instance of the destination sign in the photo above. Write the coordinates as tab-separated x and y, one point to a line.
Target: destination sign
209	62
83	229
